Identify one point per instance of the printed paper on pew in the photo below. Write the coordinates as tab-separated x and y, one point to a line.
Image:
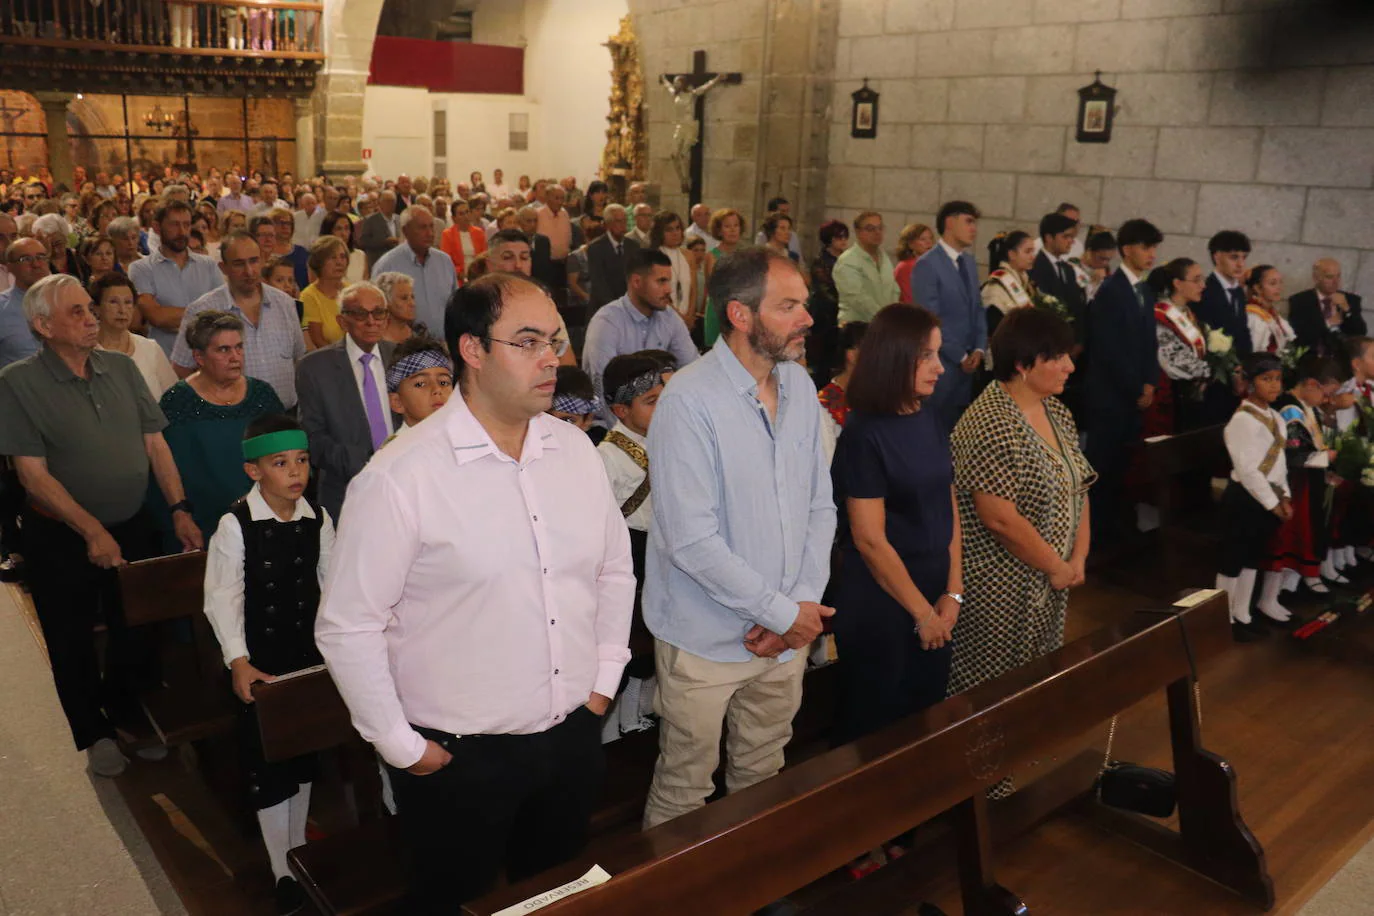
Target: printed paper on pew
1197	597
597	875
300	672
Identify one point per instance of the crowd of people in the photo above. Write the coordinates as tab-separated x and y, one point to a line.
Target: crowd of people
497	592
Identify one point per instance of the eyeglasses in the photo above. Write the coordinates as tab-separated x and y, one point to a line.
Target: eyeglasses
534	347
870	228
368	314
27	259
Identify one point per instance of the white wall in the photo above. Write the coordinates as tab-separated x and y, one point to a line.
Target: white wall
568	75
567	87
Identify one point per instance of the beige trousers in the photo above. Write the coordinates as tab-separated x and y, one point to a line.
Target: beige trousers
755	700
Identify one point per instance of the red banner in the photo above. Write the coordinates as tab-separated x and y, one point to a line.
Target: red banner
447	66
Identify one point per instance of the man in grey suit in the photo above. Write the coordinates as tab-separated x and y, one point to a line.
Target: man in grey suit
945	282
381	231
342	391
607	258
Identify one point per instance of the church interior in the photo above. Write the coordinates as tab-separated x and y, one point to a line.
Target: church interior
1173	752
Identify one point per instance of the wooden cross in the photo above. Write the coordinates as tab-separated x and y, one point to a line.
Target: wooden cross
699	79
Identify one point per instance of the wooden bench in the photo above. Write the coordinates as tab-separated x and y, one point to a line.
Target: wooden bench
194	701
765	842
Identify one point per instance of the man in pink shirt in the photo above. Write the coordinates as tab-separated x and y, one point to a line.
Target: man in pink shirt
477	613
556	224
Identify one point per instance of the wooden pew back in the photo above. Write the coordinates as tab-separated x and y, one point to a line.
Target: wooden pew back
755	846
301	715
162	588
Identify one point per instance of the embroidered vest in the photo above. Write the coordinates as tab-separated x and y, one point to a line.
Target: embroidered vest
281	590
641	460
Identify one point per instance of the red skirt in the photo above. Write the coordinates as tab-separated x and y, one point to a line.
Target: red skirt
1300	541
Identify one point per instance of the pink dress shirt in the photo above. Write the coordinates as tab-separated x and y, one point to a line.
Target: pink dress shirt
474	594
558	229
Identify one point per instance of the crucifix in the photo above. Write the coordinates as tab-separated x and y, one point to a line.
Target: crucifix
689	119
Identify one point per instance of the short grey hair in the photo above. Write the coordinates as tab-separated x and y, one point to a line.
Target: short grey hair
643	207
615	210
52	223
408	215
389	281
202	328
122	227
349	296
43	295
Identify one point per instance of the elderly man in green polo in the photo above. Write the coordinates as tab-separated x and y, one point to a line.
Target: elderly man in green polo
83	432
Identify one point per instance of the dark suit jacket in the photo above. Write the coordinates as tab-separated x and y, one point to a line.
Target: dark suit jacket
333	416
1219	313
1046	277
1305	315
542	266
606	270
373	235
1125	353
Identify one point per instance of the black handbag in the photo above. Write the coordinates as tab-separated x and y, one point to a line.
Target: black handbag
1132	787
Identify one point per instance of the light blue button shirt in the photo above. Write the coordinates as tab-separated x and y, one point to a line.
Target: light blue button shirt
271	348
743	517
434	282
16	340
618	328
176	287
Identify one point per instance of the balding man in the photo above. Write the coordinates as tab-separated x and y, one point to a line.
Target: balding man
405	195
429	269
27	260
1325	314
307	218
701	226
381	231
643	217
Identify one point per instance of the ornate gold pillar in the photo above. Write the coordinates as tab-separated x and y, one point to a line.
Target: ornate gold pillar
59	149
305	137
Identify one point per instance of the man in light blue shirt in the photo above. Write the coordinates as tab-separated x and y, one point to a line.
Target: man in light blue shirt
173	276
642	319
739	547
27	260
429	269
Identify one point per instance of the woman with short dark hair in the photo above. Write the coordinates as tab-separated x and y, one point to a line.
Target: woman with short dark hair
1022	485
901	579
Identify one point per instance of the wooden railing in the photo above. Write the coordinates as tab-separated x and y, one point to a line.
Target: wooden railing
228	28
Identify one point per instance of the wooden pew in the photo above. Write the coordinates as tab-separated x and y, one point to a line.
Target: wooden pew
748	849
194	701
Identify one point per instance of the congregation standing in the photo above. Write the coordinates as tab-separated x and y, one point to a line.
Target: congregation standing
269	357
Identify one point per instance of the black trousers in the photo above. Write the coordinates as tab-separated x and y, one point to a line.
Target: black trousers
1247	528
518	803
72	595
1111	437
11	507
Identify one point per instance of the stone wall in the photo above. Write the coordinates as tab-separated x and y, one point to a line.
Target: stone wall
1248	114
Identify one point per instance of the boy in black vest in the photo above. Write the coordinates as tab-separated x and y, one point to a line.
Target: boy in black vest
267	561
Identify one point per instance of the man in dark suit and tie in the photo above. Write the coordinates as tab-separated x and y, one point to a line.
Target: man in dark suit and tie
945	281
1325	315
380	231
607	258
1122	371
1223	297
343	397
1053	275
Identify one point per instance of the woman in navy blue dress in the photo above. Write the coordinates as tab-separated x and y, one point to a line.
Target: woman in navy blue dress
900	584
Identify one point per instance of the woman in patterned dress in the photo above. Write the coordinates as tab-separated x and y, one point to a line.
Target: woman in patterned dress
1022	486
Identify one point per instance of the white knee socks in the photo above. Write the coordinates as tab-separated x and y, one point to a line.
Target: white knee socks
1291	580
1269	598
300	814
283	829
1239	590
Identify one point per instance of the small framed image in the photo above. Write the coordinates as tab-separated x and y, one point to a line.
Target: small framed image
1096	109
863	122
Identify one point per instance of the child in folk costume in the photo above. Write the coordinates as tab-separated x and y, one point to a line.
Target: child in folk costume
267	562
632	384
1008	286
1270	332
419	380
1353	507
574	400
1184	371
1257	501
1299	547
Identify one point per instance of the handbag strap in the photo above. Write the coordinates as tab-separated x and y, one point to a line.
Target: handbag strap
1192	670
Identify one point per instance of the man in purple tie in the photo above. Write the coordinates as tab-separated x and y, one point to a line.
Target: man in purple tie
342	391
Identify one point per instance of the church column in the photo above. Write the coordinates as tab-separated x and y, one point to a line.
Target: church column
59	149
305	136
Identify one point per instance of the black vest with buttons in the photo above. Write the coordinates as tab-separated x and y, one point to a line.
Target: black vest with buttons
281	590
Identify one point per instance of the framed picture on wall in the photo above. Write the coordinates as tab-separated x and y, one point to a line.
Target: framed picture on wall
1096	108
863	122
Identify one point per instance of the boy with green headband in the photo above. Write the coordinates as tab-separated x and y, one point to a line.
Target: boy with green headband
262	607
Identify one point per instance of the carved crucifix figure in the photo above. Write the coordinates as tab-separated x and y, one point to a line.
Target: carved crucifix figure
688	92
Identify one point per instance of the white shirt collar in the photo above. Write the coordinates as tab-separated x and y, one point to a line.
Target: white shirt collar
630	434
1226	283
355	352
259	511
1135	281
949	250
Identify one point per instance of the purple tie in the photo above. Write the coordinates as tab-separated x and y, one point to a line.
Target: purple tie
372	401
